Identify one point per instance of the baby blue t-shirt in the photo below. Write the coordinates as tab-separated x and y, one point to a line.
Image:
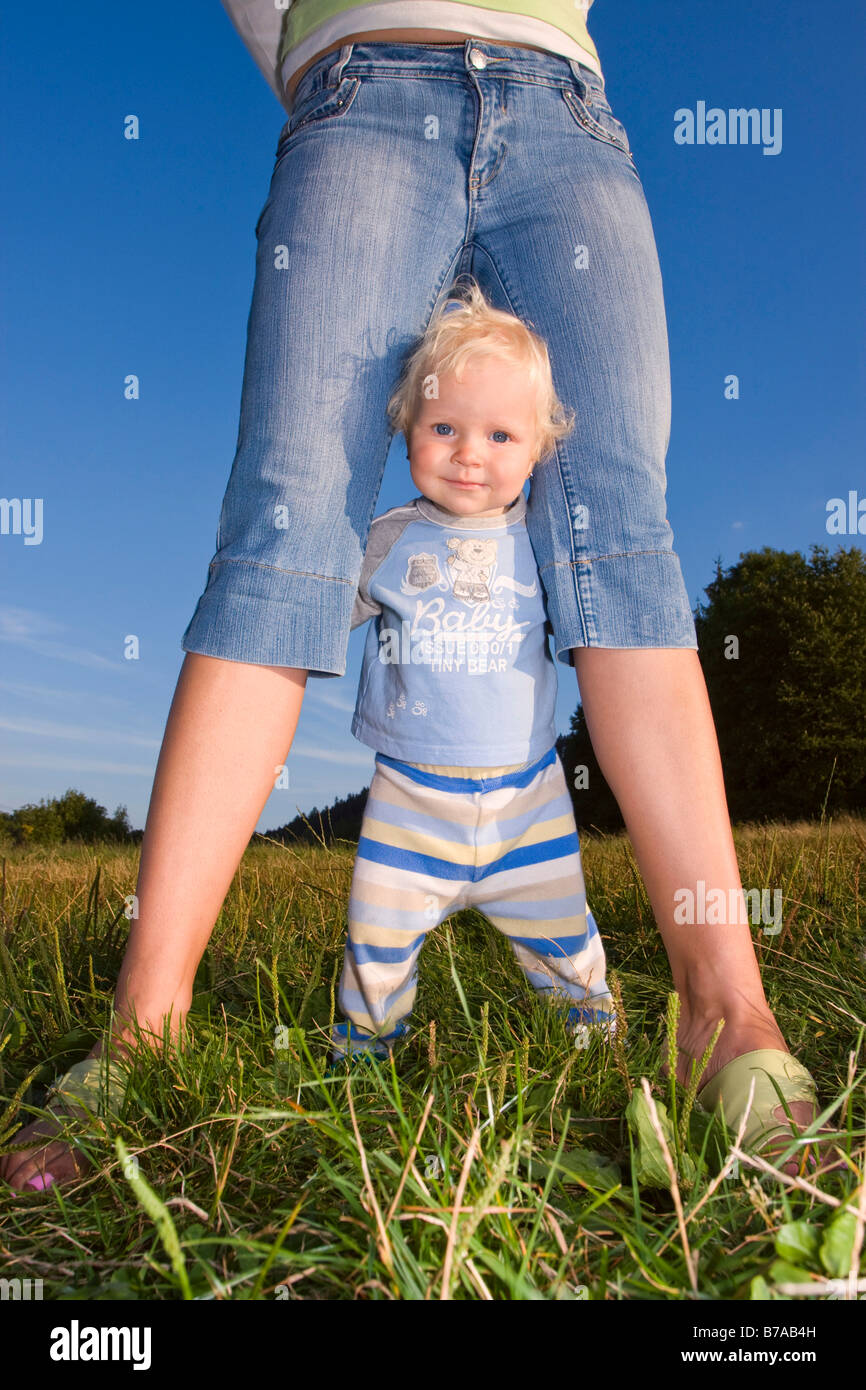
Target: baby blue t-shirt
457	668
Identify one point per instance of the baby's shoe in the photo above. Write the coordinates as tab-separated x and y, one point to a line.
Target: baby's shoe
592	1019
351	1045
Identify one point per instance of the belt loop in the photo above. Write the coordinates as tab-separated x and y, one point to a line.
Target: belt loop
335	74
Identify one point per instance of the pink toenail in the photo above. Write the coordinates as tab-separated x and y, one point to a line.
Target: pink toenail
41	1183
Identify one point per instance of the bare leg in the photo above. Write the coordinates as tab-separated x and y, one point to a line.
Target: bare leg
649	718
230	726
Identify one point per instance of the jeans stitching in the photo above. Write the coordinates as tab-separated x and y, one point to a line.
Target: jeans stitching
318	116
304	574
587	122
613	555
421	74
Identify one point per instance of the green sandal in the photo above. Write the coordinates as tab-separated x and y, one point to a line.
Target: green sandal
90	1085
728	1093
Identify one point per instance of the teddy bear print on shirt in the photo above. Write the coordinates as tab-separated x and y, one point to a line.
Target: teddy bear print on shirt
471	562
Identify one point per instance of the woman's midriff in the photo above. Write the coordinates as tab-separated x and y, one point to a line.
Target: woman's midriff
395	36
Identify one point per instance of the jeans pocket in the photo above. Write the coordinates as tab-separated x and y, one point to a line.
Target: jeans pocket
591	110
325	104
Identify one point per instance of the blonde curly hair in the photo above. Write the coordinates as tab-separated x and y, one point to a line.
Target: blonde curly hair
466	327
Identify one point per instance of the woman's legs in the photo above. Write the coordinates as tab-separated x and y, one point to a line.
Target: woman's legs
348	271
649	718
568	243
230	727
565	240
229	730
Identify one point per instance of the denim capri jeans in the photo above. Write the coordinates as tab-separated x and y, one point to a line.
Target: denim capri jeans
401	167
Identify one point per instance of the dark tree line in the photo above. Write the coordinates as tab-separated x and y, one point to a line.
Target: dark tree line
341	821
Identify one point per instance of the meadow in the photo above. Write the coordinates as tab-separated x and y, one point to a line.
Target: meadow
491	1160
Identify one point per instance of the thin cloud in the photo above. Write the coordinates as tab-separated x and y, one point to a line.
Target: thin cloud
350	758
22	627
54	695
75	733
77	765
345	706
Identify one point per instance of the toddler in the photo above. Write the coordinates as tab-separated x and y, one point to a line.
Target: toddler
468	806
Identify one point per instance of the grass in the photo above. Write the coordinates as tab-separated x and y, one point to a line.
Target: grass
491	1160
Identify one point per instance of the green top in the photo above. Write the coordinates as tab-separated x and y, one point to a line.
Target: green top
558	25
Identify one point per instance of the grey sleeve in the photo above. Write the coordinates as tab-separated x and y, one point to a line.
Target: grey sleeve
384	532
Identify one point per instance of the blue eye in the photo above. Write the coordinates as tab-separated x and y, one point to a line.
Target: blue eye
442	426
504	432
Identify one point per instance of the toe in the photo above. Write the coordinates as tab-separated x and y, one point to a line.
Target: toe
39	1167
822	1152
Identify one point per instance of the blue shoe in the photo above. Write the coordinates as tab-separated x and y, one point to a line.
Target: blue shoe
583	1024
348	1035
350	1060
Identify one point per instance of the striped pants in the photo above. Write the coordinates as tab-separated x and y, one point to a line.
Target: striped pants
433	844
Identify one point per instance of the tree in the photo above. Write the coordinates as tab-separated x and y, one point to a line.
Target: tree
72	816
789	694
782	646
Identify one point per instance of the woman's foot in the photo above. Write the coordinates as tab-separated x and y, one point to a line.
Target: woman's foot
49	1160
42	1164
738	1037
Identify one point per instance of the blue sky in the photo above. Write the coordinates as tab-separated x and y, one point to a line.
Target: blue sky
139	256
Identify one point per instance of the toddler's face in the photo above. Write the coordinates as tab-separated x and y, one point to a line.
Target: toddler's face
472	449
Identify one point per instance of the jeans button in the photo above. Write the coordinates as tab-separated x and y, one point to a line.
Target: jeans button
477	58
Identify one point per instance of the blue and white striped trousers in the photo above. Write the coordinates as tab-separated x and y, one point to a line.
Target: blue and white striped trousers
433	844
